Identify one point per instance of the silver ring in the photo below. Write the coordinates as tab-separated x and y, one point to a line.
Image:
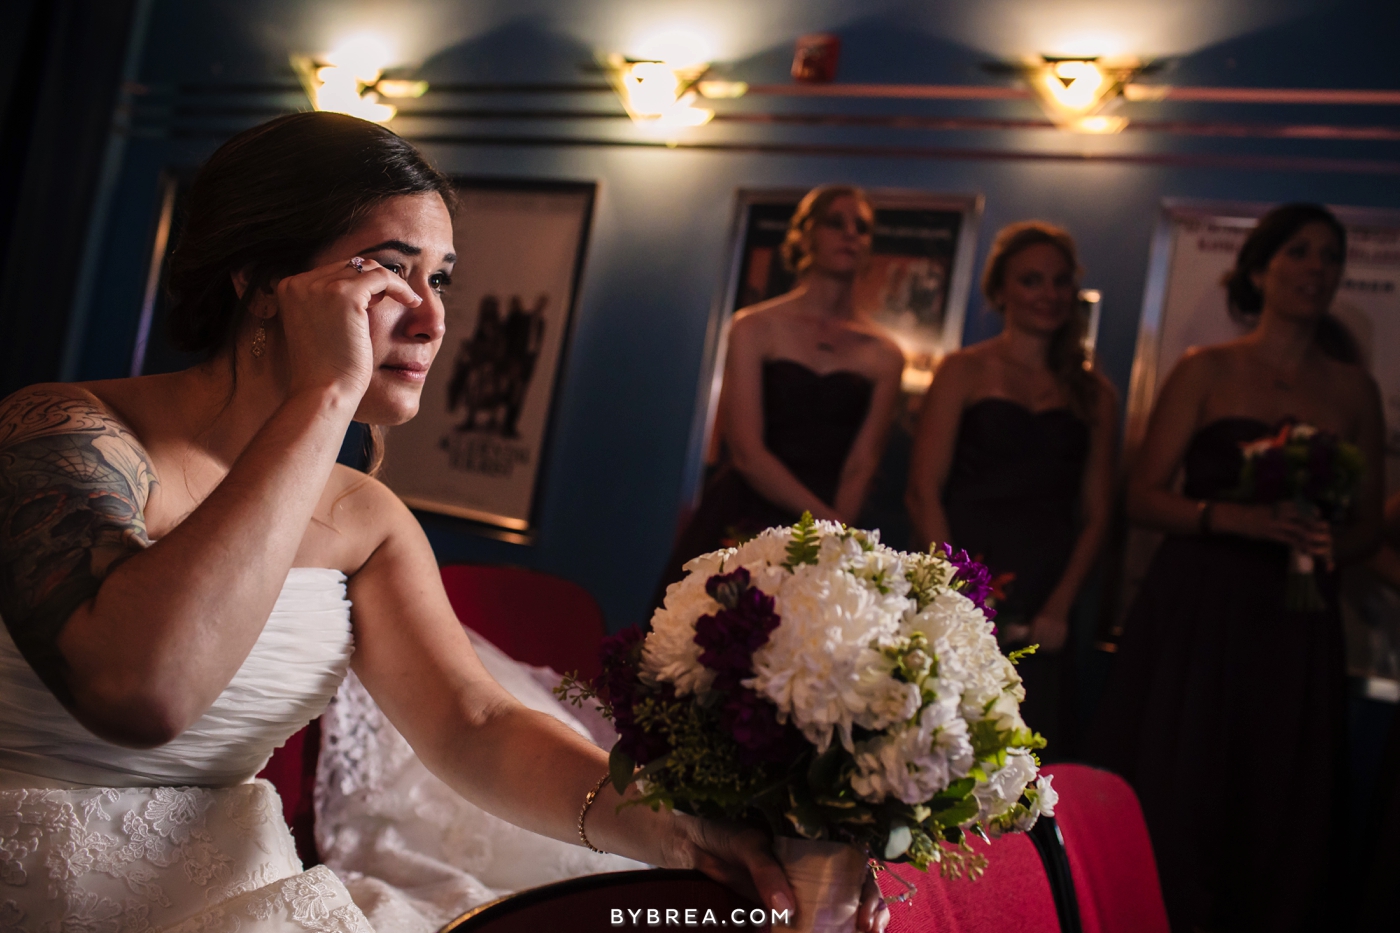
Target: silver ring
357	264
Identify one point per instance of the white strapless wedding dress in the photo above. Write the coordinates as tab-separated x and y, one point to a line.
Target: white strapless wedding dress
96	838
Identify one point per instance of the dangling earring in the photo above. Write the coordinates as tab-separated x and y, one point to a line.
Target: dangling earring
259	341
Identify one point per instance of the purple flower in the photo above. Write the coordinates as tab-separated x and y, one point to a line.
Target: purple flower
753	722
971	579
619	685
732	635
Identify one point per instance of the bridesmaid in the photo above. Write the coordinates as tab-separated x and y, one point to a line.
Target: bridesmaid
809	391
1225	710
1014	456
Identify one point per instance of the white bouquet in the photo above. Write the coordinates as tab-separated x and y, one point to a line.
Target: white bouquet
824	686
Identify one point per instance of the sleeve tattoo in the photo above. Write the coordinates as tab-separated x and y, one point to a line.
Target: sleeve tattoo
73	489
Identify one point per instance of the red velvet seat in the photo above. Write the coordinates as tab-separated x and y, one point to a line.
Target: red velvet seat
1013	894
533	617
587	905
1110	853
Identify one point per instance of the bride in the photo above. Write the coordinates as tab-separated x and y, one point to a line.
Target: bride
186	575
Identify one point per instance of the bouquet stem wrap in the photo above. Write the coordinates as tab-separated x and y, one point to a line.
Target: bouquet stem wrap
827	878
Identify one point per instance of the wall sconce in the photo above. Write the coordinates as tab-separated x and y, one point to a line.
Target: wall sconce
1075	92
658	93
351	80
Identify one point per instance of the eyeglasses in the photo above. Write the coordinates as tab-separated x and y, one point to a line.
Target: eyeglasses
839	221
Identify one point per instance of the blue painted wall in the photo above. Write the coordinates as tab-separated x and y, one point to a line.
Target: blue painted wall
659	249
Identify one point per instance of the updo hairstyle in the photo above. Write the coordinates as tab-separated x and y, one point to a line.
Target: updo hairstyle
812	210
268	201
1274	229
1068	359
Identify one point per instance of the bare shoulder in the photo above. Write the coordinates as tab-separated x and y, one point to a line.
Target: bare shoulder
357	514
1200	365
758	321
56	408
961	367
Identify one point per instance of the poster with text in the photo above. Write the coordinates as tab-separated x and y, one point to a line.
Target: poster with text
476	447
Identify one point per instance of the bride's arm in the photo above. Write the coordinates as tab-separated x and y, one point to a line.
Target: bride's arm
523	766
138	639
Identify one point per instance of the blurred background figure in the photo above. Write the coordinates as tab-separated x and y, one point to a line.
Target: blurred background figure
1014	458
809	392
1215	678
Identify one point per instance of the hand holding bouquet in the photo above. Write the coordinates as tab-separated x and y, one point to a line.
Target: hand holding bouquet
820	685
1315	471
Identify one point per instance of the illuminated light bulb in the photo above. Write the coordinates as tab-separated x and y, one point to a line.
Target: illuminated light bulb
363	56
651	88
1074	85
680	48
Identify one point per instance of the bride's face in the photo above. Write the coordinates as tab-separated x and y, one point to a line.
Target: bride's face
411	236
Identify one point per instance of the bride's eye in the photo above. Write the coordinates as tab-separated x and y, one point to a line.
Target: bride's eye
439	281
394	268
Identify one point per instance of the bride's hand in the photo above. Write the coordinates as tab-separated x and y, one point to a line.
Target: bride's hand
325	320
742	859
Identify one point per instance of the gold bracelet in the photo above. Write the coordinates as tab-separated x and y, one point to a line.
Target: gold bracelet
588	802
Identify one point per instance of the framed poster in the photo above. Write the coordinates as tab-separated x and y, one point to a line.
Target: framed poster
1184	306
478	444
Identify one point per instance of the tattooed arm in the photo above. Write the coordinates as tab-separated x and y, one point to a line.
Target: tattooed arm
73	490
136	637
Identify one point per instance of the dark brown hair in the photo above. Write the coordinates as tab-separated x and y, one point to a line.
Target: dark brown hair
1068	359
268	201
1274	229
812	209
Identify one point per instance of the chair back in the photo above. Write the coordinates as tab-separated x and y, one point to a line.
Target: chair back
1013	894
591	904
1109	851
534	617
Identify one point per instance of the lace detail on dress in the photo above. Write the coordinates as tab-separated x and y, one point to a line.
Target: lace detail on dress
411	851
132	860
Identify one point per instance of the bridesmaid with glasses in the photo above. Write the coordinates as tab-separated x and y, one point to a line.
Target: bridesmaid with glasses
810	389
1014	457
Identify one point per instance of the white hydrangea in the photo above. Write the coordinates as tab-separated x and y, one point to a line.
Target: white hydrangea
968	653
918	760
811	667
1004	786
670	652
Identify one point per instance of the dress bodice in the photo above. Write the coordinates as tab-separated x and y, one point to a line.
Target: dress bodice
293	670
1214	459
1012	494
811	419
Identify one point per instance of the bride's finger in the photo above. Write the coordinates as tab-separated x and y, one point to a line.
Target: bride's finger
750	849
873	915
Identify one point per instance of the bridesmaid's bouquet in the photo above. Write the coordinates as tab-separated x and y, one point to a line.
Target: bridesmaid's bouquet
1315	470
822	685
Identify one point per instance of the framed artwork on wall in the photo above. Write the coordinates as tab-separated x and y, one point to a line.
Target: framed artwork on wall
1184	306
477	447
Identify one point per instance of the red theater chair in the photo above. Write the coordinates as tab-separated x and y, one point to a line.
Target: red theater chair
1013	894
533	617
1110	853
587	905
